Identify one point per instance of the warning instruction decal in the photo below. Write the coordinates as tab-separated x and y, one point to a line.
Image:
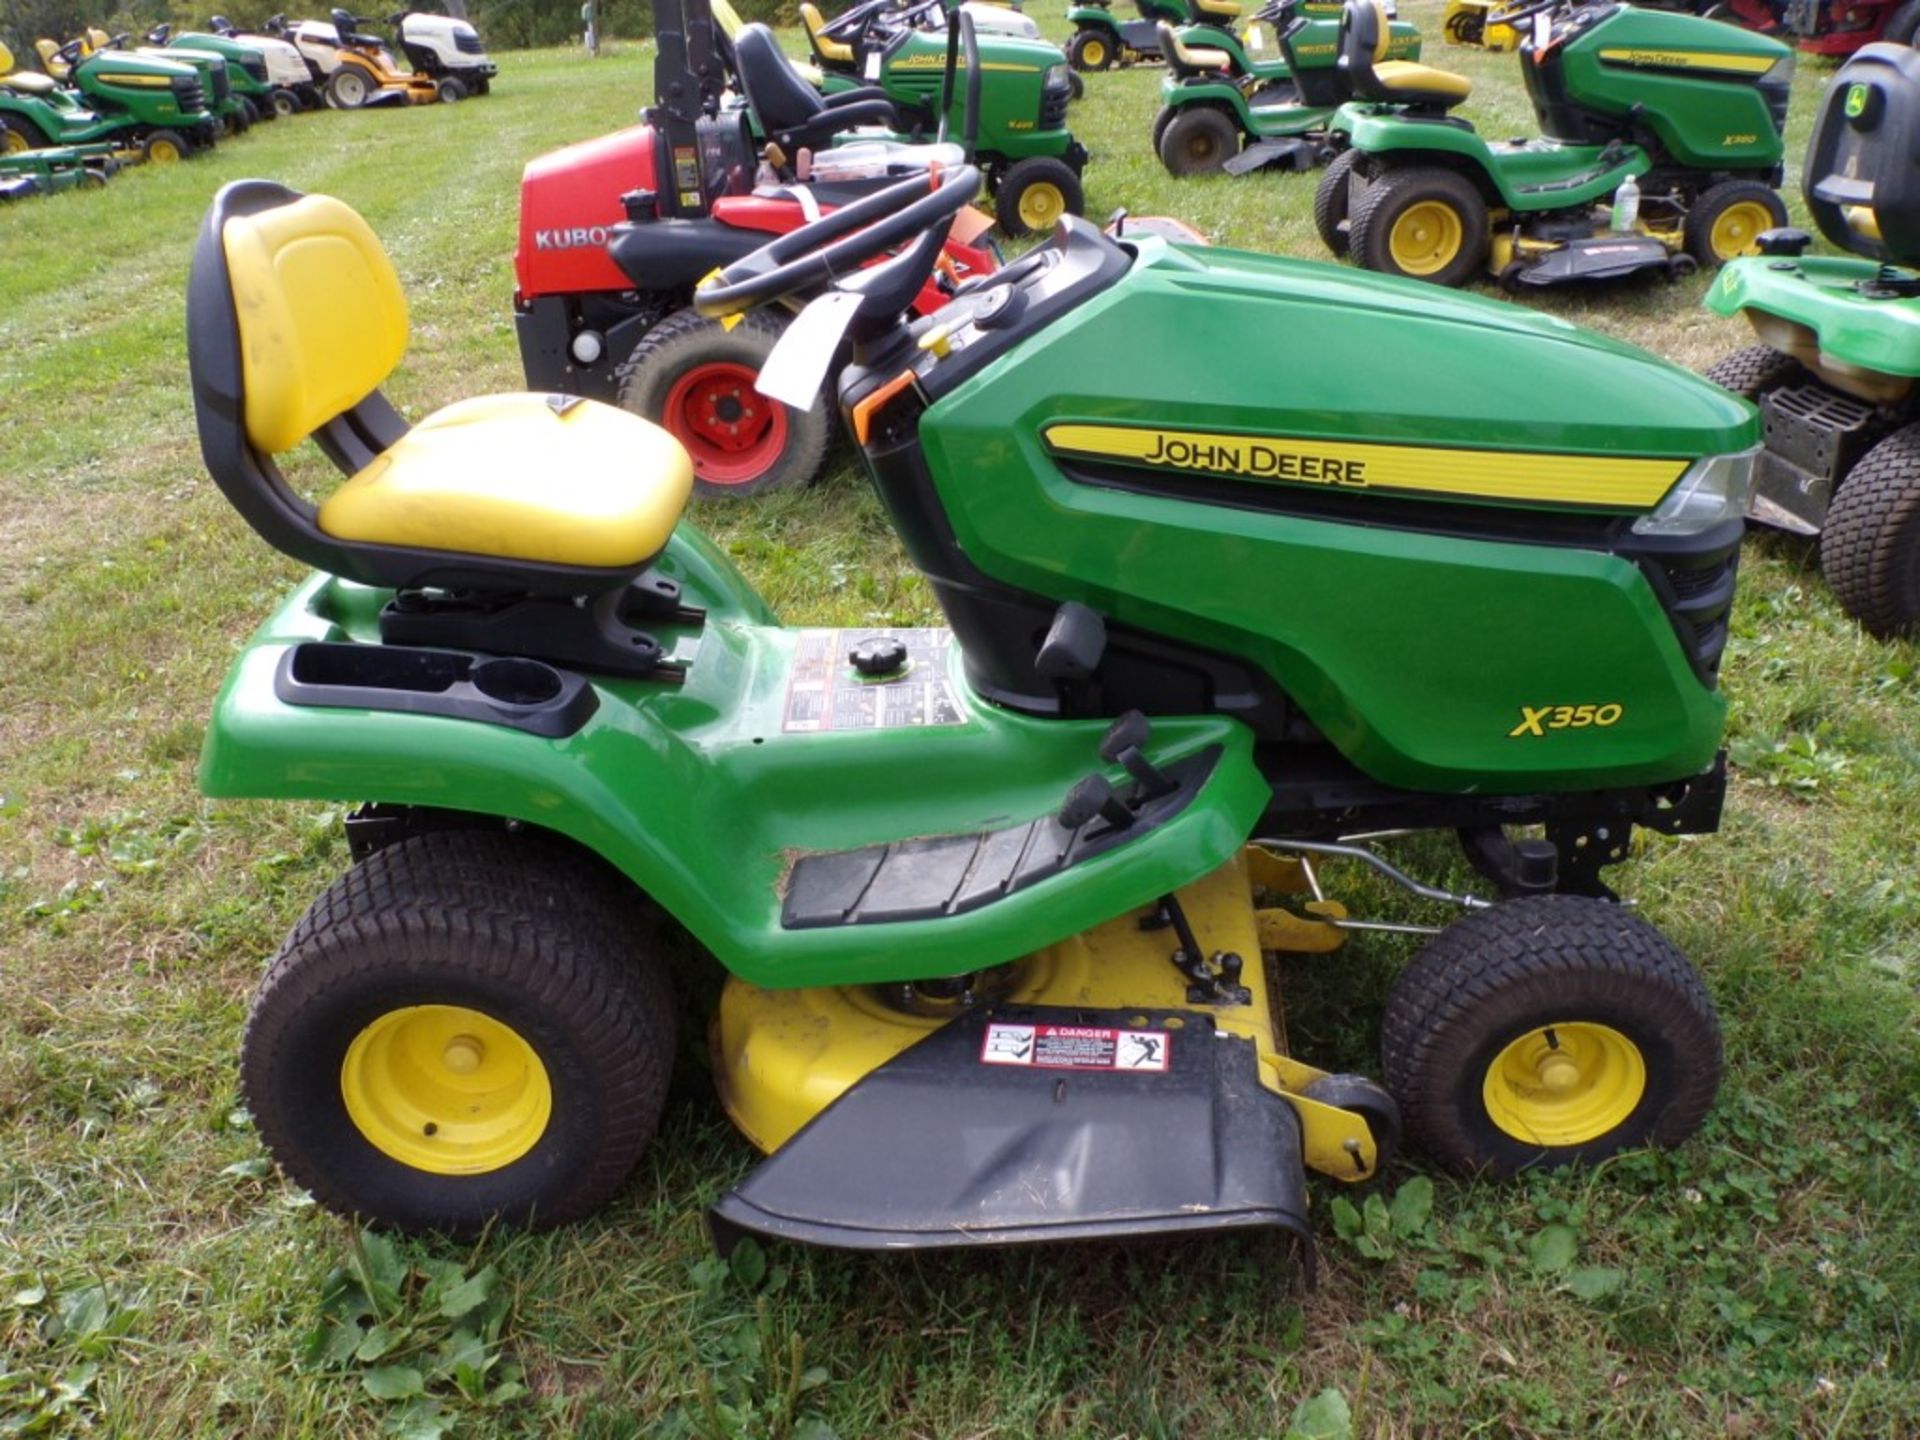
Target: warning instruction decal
825	693
1076	1047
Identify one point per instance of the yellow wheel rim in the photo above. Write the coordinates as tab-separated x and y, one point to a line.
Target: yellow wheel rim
1426	237
1041	204
445	1089
164	153
1093	54
1565	1084
12	142
1736	230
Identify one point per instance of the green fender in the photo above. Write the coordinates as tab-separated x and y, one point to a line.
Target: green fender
1528	176
1094	17
1819	292
703	799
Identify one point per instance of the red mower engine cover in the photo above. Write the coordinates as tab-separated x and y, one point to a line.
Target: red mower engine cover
569	204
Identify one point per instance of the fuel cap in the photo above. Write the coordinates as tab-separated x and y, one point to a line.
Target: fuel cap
879	655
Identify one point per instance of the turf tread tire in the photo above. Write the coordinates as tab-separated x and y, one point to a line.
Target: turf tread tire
1870	546
1479	979
516	915
1369	224
1214	133
1752	371
645	378
1330	201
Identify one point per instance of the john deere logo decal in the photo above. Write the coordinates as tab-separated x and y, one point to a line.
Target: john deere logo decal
1856	101
1488	474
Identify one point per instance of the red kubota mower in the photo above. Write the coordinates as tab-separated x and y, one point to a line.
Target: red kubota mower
616	232
1826	27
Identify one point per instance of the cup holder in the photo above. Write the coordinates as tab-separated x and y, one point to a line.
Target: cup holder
516	682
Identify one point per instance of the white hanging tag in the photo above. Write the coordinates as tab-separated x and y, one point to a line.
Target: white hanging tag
798	366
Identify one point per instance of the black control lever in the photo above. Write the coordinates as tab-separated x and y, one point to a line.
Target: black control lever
1125	746
1094	796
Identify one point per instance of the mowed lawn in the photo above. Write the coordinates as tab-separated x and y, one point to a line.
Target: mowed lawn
157	1278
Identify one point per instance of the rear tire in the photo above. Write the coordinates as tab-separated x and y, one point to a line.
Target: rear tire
527	976
694	377
1754	370
1426	224
1870	546
348	88
1076	87
1035	193
1331	200
1198	140
1548	1031
1091	50
285	103
1727	219
18	134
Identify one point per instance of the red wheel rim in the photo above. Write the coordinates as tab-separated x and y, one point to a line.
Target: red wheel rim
732	431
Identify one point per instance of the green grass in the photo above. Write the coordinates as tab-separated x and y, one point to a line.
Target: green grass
157	1279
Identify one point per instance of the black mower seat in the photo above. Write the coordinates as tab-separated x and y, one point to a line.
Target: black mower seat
1187	60
1365	34
295	317
790	111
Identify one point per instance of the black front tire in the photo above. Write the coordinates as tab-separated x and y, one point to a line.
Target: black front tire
1332	200
449	91
679	346
1506	977
1700	234
1388	206
531	937
1753	370
285	103
1091	50
1198	140
1018	199
1870	546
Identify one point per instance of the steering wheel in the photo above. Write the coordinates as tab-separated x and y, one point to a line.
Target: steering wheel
71	53
1525	10
852	26
824	250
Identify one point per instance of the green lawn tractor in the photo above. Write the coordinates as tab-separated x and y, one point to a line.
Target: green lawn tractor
1660	150
1100	40
246	70
47	172
233	114
156	107
1836	368
1023	145
1223	109
998	900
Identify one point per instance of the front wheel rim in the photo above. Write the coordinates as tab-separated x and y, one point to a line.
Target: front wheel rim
163	152
1093	53
1565	1084
1426	237
1736	229
732	432
446	1089
1040	205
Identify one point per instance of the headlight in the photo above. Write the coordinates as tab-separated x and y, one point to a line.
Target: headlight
1713	490
1056	77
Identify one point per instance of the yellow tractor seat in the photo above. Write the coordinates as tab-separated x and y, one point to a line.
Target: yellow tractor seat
550	478
50	60
1184	59
1417	81
831	52
509	524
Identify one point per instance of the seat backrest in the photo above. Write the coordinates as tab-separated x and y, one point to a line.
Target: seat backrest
825	50
6	59
50	60
1859	177
780	99
1364	35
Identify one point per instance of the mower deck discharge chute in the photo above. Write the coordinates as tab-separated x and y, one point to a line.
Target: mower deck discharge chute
997	900
1839	354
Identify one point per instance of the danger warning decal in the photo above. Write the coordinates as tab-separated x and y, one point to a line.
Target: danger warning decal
1076	1047
824	692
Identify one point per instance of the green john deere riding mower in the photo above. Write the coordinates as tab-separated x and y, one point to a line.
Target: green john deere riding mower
1021	140
1839	354
131	102
1660	150
246	70
231	114
1222	109
998	900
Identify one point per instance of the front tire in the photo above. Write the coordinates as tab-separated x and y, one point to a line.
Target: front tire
1332	200
1090	50
1728	218
165	147
464	1028
1870	546
1198	140
1426	224
1035	193
694	377
285	103
1546	1031
449	91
